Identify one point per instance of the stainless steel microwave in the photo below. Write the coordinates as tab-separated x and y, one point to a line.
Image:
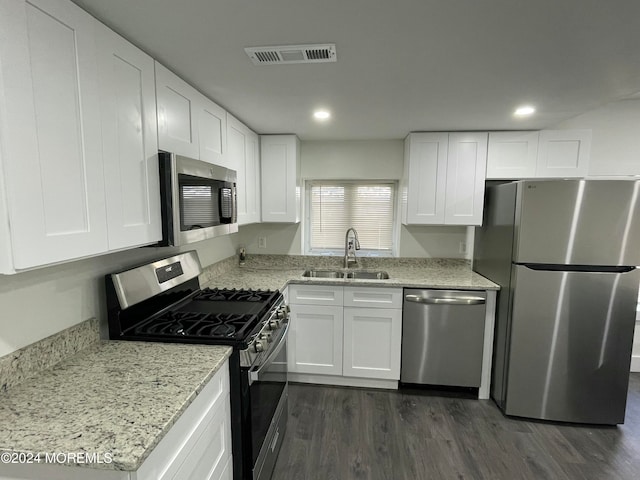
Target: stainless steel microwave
198	200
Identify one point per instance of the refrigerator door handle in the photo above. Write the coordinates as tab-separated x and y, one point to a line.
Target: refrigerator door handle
553	267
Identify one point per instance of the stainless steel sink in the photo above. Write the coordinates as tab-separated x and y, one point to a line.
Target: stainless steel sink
367	275
323	274
353	274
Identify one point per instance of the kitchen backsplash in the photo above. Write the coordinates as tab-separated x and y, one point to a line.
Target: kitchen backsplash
32	359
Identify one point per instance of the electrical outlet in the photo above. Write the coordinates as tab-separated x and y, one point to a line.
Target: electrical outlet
262	242
463	247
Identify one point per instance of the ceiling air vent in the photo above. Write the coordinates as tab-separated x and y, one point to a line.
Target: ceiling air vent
286	54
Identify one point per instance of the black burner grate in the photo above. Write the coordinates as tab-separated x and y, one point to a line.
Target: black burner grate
233	295
197	325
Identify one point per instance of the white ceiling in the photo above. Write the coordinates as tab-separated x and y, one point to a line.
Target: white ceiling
403	65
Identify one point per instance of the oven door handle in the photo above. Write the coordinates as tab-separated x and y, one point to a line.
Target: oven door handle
255	374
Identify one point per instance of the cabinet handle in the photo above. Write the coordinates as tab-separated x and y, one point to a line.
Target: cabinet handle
445	300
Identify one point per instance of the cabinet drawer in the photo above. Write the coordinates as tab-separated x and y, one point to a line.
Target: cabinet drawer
373	297
315	295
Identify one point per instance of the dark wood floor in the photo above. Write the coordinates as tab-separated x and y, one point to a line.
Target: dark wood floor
346	433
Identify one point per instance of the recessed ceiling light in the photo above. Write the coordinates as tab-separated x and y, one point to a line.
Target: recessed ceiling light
321	115
524	111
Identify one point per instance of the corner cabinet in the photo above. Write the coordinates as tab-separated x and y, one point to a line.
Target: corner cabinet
244	152
281	183
543	154
443	180
59	185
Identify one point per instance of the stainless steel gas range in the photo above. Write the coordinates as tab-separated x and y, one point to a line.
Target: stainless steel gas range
162	302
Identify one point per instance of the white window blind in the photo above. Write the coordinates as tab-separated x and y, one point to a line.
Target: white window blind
335	206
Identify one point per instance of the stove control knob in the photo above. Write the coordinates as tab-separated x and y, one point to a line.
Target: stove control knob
274	324
266	337
259	347
282	313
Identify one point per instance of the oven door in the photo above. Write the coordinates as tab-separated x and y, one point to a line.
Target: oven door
268	399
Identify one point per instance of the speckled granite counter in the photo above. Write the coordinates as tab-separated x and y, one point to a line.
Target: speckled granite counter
112	397
276	271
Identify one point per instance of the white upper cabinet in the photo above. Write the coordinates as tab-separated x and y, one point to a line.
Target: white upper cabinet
512	155
243	151
177	114
466	171
190	124
78	136
563	153
543	154
280	159
129	142
50	132
443	181
212	133
425	177
252	179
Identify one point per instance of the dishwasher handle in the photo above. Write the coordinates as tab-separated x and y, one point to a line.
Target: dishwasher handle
459	300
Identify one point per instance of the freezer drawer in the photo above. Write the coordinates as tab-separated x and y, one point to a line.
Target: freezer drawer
442	337
570	349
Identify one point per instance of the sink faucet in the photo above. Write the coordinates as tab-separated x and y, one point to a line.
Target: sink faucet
350	247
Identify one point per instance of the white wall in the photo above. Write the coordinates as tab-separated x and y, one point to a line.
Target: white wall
41	302
432	241
615	143
343	160
281	238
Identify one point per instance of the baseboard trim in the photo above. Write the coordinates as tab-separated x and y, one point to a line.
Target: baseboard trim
635	363
342	381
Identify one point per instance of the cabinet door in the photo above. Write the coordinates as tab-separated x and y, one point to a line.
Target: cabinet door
177	114
466	168
315	339
238	145
280	158
130	146
563	153
372	339
512	155
212	134
425	178
252	177
50	130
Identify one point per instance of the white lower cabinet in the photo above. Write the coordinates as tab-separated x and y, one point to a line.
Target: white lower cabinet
345	333
197	446
315	339
371	347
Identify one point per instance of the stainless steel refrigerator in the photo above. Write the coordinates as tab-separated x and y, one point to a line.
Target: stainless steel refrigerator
564	253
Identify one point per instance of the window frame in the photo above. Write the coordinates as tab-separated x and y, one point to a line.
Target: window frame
308	184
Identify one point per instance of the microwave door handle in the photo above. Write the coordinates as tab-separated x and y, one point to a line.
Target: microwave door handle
223	198
255	374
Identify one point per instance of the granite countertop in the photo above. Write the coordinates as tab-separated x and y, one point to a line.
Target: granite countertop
114	397
276	271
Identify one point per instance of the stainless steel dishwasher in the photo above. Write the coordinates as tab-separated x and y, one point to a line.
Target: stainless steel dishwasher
442	337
